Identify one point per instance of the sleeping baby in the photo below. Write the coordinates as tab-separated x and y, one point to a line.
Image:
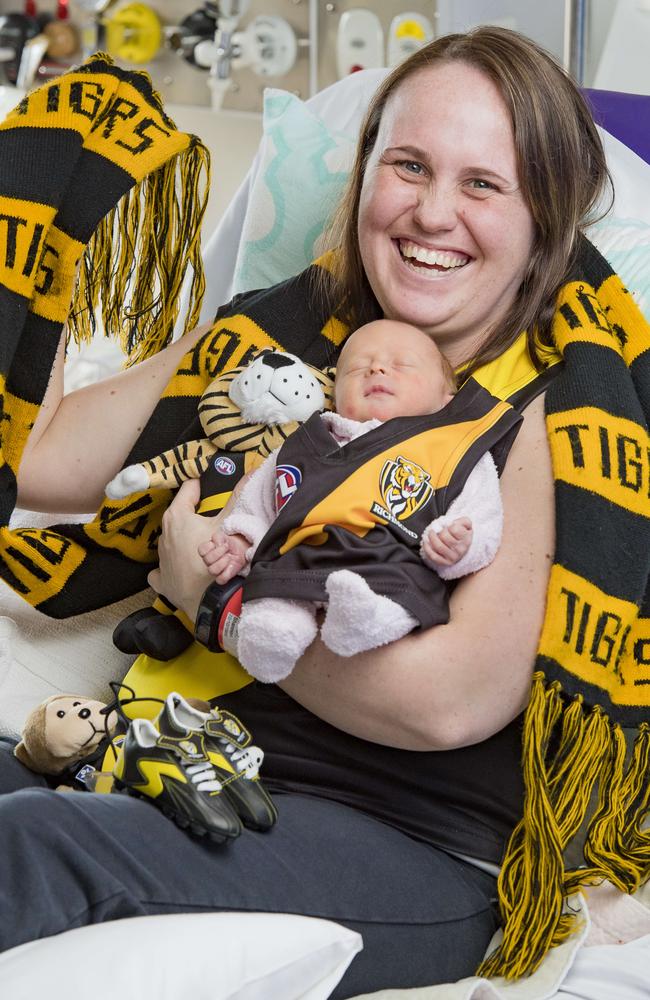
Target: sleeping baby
365	512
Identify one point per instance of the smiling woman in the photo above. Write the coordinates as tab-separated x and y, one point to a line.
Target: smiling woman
444	230
398	769
450	220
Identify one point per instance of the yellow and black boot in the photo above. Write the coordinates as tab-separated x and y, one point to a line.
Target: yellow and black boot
229	746
178	776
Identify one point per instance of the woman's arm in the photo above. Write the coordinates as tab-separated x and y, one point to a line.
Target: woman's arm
81	440
459	683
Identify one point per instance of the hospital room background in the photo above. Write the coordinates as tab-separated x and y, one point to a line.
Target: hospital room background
212	61
237	74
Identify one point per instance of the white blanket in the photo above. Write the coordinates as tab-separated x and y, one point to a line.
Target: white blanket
608	959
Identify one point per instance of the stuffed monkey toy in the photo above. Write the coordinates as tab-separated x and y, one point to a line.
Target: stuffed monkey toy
65	734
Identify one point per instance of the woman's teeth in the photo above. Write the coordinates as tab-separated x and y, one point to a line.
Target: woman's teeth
433	258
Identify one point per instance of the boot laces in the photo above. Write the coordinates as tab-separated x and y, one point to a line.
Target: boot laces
248	759
204	776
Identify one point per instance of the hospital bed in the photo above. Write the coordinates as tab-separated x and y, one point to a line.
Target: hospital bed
270	230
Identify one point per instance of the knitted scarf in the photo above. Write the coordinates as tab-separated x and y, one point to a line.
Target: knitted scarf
592	674
88	169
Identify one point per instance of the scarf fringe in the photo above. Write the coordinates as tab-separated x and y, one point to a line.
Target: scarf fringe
568	754
130	275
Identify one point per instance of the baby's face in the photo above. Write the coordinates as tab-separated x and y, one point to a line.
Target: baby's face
388	369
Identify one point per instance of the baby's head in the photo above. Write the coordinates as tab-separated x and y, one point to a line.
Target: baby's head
389	369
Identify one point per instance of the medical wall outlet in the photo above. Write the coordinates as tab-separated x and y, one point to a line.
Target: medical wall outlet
408	32
134	33
359	41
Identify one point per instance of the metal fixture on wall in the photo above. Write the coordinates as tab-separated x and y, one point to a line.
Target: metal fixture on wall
575	38
285	43
268	46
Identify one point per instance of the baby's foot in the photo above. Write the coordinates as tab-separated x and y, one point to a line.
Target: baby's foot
358	619
273	634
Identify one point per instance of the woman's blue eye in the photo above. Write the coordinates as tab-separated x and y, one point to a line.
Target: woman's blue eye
482	185
412	166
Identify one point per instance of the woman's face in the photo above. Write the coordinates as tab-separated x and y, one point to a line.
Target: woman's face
444	232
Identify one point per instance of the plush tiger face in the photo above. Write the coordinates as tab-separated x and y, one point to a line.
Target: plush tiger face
256	407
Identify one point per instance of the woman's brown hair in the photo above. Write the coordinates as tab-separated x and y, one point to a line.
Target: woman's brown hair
562	174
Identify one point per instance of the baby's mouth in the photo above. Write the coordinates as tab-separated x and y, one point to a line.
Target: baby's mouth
378	390
432	260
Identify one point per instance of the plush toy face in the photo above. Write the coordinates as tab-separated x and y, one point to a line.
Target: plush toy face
74	727
239	413
276	388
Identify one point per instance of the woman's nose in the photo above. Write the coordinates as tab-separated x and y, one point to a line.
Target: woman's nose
436	207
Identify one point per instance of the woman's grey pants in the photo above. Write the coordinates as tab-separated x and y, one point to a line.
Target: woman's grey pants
80	858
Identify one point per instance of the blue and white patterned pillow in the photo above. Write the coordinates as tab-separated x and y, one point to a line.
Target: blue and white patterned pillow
625	243
302	172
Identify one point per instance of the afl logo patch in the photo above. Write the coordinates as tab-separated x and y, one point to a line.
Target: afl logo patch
224	466
287	480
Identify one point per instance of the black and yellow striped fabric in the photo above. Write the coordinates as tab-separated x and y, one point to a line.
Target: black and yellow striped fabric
70	569
83	161
592	674
592	677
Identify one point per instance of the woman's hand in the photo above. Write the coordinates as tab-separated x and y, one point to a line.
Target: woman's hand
182	576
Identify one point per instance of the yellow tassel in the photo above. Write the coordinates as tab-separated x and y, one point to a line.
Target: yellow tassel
530	880
566	753
616	846
134	267
638	795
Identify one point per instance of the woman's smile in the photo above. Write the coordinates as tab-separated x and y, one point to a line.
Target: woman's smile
444	231
437	260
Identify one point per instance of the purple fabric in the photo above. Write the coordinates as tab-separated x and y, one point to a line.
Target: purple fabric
625	116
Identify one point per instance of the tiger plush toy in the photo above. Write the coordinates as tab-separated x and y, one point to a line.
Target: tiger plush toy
250	410
245	413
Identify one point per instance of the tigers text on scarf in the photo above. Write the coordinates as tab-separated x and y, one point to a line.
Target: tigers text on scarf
88	191
592	674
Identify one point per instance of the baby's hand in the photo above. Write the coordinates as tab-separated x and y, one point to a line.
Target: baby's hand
224	555
450	544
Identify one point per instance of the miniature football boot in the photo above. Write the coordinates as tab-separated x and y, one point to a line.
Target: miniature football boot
177	775
232	755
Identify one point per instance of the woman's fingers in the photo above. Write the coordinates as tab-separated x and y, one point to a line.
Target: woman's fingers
183	575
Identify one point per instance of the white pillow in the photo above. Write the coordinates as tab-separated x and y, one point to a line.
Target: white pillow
303	164
202	956
40	656
298	177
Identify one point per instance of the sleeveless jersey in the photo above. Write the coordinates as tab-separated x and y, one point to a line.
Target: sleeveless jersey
365	505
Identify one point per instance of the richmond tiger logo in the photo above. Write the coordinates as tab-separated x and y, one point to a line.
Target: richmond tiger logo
405	487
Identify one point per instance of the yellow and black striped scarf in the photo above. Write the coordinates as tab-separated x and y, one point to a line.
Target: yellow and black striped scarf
88	190
592	674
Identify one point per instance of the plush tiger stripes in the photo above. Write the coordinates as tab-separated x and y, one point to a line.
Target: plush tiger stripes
173	467
225	431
